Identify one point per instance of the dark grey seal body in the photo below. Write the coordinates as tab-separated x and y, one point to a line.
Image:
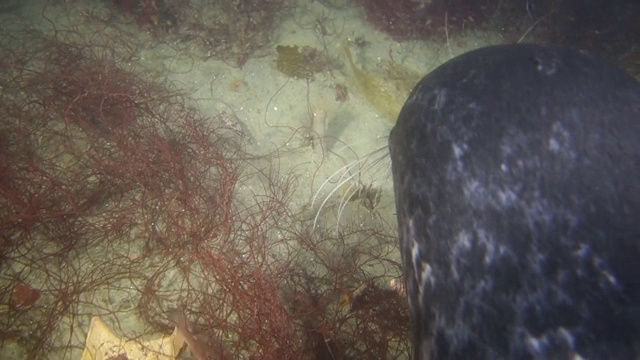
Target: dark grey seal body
517	181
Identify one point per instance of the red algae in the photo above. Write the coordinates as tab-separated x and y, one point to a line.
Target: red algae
120	200
405	20
24	295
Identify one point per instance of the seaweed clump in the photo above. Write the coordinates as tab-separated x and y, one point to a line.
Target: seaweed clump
301	62
386	88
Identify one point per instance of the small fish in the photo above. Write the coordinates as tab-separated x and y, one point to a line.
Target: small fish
197	347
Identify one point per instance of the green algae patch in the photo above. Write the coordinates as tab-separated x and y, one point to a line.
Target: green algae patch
386	88
301	62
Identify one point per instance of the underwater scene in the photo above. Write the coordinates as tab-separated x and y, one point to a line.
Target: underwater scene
200	179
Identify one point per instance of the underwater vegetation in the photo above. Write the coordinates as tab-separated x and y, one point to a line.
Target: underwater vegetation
227	30
120	200
385	86
301	62
423	19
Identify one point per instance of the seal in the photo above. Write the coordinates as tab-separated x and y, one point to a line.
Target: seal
516	173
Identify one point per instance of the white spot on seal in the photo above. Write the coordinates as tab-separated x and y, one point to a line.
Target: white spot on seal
507	197
599	263
458	152
422	271
540	345
568	338
427	276
560	141
441	98
463	240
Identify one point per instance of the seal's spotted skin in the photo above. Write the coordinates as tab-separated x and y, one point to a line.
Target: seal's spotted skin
517	172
